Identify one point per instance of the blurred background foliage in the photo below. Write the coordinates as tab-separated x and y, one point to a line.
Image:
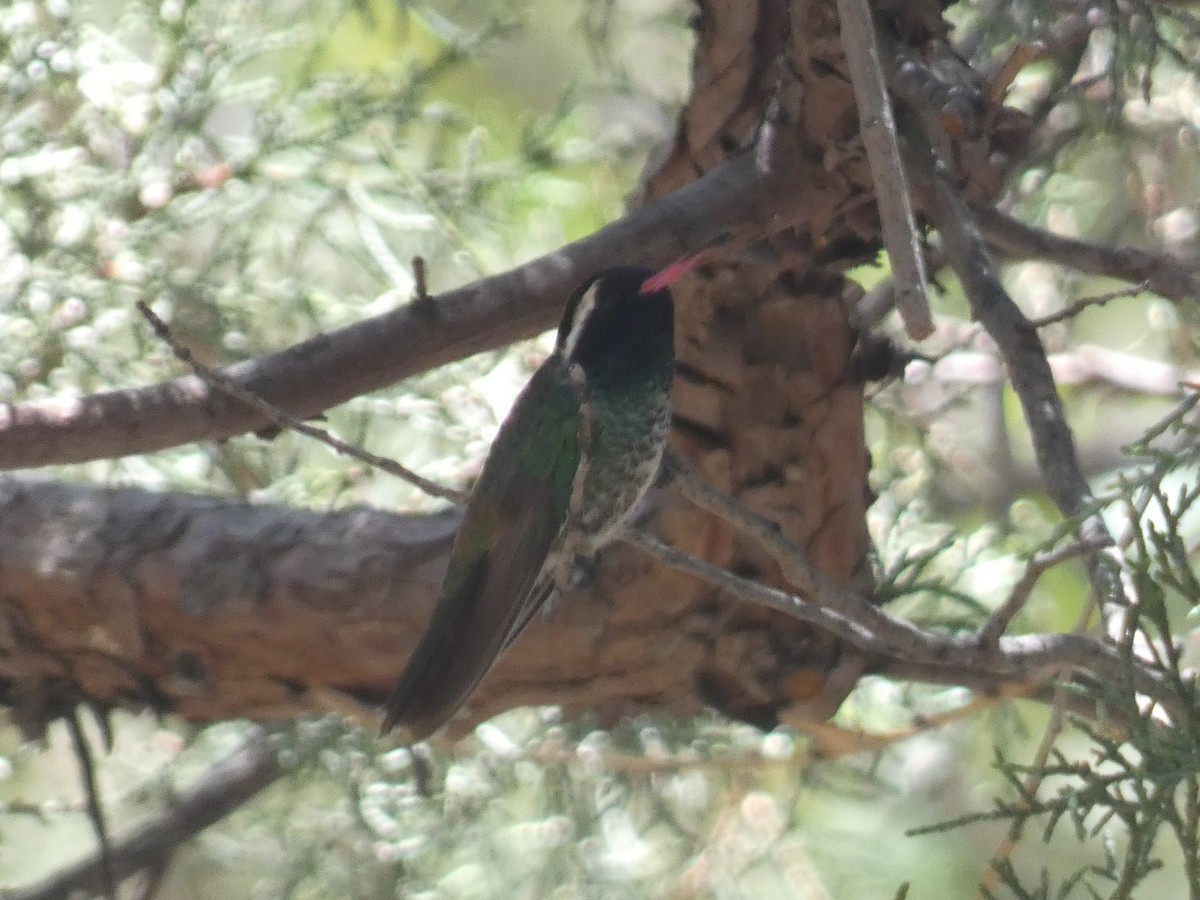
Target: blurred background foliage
346	139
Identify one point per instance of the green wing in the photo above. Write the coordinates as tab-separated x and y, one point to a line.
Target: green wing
491	589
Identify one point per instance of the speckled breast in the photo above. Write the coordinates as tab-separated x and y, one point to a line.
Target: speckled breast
630	433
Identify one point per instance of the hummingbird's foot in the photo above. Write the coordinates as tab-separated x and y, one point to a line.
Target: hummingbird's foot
579	573
582	573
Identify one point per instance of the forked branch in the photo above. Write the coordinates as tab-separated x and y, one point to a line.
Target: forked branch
988	660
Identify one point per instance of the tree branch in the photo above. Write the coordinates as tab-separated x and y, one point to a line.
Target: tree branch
900	646
1085	364
278	417
1074	309
989	634
1019	345
105	864
878	128
331	368
880	635
1013	238
224	787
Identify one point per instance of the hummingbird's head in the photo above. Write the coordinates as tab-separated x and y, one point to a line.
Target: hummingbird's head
623	316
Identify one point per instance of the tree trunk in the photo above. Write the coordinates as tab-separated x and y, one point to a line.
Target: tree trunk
214	609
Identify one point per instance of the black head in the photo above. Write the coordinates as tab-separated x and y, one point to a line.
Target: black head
617	320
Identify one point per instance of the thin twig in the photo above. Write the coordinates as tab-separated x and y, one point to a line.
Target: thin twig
751	591
420	279
1080	692
95	808
286	420
1059	706
884	638
818	590
833	741
788	555
1080	305
1004	850
989	634
878	128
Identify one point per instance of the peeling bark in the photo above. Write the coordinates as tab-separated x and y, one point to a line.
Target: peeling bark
214	609
208	608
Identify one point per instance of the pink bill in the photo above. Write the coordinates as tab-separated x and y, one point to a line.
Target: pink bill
672	273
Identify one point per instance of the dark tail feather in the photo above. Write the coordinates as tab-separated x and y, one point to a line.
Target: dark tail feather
451	659
437	681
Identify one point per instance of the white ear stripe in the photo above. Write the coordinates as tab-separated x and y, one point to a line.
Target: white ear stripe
583	311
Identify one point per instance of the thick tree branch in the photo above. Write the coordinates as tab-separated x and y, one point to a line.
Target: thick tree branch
331	368
212	609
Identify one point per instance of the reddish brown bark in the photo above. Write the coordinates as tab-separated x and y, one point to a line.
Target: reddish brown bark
213	609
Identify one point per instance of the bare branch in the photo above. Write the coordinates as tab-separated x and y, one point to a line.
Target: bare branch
819	590
998	622
873	631
878	128
1080	305
1086	364
1018	342
95	809
753	592
1013	238
224	787
922	655
283	419
331	368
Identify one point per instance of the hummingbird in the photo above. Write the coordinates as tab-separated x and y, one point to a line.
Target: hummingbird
569	465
